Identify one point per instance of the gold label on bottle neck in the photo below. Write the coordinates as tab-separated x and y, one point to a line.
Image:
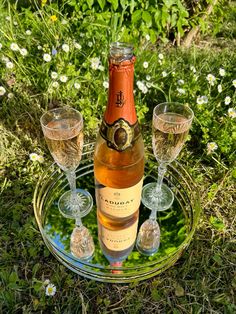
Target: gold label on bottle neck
120	135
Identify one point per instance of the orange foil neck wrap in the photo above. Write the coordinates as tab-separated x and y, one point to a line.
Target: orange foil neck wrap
121	98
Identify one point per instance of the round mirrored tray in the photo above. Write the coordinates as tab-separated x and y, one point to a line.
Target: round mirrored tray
177	224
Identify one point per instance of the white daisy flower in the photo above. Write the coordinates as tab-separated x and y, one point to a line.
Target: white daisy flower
205	99
2	91
77	85
65	47
101	68
63	78
95	62
199	100
211	79
0	46
145	64
222	72
234	83
5	59
10	95
34	157
219	87
145	89
232	113
47	57
160	56
54	75
77	46
164	74
105	84
180	82
40	159
40	47
28	32
50	290
90	44
211	147
14	47
227	100
192	68
148	77
64	22
147	37
23	52
15	23
55	84
140	85
9	65
148	85
181	91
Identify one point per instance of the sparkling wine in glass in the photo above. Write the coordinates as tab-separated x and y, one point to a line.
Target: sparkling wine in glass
63	132
170	125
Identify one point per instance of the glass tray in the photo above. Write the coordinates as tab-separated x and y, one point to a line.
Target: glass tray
177	224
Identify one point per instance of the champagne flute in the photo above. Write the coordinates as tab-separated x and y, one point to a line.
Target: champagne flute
170	126
63	132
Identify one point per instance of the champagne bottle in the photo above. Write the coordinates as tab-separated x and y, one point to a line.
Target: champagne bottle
119	160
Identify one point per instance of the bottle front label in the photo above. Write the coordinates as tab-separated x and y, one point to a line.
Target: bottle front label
118	240
119	203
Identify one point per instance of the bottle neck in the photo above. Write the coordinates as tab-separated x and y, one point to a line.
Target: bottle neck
120	98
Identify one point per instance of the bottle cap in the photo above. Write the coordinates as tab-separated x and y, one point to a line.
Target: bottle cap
120	51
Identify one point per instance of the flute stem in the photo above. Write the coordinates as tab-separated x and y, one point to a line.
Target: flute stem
74	201
161	173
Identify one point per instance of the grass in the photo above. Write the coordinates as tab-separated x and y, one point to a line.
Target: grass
203	279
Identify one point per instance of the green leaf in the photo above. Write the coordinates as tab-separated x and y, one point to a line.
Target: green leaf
90	3
179	290
234	173
153	36
169	3
157	18
173	19
146	16
156	295
102	3
136	16
13	277
114	4
164	16
218	259
132	5
217	223
123	3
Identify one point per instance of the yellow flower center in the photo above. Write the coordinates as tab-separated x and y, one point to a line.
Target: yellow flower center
53	18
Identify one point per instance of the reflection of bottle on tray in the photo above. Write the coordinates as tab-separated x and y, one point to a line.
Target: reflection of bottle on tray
119	160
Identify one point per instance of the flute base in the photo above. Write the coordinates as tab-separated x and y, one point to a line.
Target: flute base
69	208
148	239
81	243
154	201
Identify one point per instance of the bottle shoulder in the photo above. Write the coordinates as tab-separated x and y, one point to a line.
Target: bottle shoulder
131	155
